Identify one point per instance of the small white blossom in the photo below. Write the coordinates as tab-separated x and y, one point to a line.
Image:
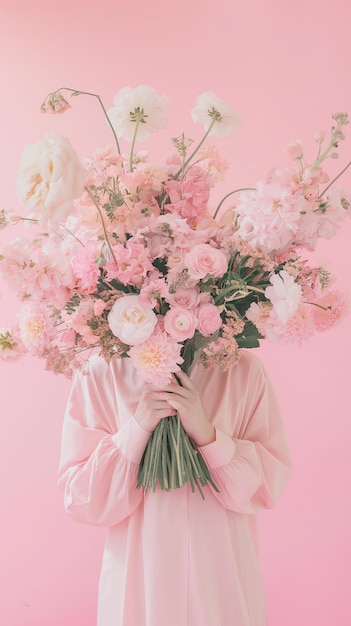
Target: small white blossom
142	105
210	107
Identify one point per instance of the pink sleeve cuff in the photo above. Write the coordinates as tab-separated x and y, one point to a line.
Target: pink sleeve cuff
219	452
131	439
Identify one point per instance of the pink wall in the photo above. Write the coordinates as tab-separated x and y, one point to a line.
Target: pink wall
285	67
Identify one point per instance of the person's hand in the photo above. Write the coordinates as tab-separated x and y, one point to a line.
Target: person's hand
186	400
152	408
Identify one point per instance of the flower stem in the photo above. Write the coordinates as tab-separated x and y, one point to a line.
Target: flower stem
183	166
133	144
229	194
76	92
334	179
102	222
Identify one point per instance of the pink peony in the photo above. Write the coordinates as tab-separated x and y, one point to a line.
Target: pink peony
209	319
180	323
156	359
204	260
131	322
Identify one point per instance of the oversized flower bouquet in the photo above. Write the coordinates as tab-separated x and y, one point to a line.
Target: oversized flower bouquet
128	259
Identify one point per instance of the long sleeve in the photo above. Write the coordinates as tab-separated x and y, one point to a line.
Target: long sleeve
251	467
99	463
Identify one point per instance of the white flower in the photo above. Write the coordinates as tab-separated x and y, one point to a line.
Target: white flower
50	177
210	107
284	294
141	104
131	322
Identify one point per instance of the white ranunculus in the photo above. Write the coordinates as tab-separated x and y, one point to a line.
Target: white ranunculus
131	322
142	102
284	294
209	105
50	177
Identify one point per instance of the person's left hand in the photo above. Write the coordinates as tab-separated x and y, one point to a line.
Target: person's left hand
185	399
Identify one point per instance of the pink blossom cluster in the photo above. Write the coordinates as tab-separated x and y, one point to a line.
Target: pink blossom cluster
129	258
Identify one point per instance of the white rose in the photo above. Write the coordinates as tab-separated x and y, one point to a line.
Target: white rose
50	177
131	322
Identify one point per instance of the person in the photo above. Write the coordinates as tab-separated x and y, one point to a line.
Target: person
172	558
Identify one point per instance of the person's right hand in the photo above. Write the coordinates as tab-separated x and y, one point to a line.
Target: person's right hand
152	408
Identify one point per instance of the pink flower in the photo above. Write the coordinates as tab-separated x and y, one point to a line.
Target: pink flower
204	260
295	150
329	309
36	327
133	263
285	295
15	264
223	352
99	307
85	267
268	217
209	319
180	323
131	322
11	346
152	292
299	327
185	298
189	197
156	359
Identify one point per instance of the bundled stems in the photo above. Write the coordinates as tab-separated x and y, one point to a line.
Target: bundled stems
172	458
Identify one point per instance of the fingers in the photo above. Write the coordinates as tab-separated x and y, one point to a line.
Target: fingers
184	379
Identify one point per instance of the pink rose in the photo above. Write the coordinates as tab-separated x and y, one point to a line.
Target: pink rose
185	298
209	319
180	323
205	260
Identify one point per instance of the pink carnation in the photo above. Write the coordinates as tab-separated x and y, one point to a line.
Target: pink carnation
180	323
156	359
329	310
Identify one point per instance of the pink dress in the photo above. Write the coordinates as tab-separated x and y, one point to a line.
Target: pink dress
171	558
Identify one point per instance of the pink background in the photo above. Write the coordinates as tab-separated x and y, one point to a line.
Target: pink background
285	67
